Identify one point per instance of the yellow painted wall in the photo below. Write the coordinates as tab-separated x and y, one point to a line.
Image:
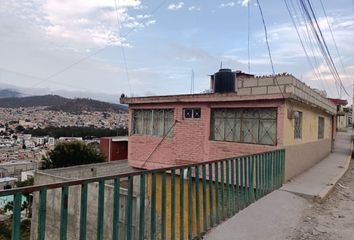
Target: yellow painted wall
177	207
309	124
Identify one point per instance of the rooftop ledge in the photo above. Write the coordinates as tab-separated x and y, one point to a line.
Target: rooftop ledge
229	97
281	86
201	97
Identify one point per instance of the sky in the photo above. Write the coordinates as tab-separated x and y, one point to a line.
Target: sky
102	48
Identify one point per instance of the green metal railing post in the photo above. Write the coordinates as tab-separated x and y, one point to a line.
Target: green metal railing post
129	216
190	203
237	194
247	182
211	194
232	186
242	185
163	206
251	179
269	172
142	208
16	217
83	211
173	204
257	176
116	207
283	165
222	182
273	170
228	187
277	172
100	212
153	207
181	207
204	199
42	214
216	192
181	201
64	213
264	174
197	205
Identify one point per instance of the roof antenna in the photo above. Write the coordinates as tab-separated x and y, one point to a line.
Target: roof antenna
192	82
221	65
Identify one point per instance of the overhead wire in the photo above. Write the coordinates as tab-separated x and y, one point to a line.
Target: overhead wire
314	49
122	47
317	32
293	15
268	47
332	65
334	41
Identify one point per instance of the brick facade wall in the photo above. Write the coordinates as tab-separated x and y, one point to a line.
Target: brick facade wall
190	141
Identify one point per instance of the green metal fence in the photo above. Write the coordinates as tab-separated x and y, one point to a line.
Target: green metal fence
181	202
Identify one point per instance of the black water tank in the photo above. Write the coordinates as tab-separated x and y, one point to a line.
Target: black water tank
224	81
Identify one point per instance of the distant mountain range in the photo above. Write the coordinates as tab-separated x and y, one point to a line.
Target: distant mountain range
8	93
58	103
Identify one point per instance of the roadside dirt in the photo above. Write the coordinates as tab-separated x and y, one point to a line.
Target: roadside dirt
333	219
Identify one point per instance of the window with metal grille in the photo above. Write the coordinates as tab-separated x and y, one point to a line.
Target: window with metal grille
256	125
153	122
191	113
297	124
320	127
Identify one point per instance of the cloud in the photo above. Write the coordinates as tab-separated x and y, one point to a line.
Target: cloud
243	3
193	8
225	5
175	7
78	24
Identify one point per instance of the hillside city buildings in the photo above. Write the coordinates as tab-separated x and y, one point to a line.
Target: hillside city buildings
39	117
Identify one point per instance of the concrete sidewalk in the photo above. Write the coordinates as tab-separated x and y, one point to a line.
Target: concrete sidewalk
318	181
278	213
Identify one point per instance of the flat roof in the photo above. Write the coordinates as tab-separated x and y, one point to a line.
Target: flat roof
117	138
7	179
202	97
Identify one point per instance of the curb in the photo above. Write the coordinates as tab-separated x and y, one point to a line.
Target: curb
323	195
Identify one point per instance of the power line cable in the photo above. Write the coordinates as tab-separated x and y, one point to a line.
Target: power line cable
311	43
268	47
122	48
327	49
334	41
311	16
291	9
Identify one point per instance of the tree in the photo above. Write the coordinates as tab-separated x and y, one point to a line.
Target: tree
25	183
20	128
66	154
